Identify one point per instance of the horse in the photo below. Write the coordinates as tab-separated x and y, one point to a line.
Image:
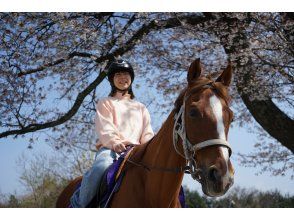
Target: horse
193	138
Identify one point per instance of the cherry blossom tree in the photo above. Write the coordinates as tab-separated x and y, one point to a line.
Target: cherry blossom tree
53	65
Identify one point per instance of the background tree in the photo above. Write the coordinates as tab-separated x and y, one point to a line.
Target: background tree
52	66
252	198
194	200
44	177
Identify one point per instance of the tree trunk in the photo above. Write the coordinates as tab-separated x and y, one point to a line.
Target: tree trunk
275	122
267	114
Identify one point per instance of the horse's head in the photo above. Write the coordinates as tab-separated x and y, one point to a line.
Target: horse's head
204	117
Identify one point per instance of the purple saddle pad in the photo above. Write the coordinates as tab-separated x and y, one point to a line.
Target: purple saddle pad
112	184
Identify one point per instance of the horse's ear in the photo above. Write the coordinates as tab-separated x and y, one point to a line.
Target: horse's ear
194	70
226	76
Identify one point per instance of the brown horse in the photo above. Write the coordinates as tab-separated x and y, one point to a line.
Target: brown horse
194	136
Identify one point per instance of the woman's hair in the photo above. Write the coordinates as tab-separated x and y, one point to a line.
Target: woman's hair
113	91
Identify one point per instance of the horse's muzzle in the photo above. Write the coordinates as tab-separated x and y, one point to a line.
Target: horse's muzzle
214	184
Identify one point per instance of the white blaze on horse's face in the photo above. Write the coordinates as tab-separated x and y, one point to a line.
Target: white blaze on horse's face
217	110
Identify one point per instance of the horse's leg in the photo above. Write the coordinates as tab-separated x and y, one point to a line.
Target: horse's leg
63	200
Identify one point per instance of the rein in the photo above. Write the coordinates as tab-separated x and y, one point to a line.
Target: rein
162	169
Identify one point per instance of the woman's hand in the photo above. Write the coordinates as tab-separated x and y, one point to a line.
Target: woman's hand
119	148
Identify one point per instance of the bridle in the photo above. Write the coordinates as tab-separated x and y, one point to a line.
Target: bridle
189	149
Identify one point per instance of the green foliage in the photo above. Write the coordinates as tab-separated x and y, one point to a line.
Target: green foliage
194	200
241	198
13	201
45	195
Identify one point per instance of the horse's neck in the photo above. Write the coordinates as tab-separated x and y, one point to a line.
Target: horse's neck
161	153
161	148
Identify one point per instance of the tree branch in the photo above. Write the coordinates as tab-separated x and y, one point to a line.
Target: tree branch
54	63
79	100
274	121
139	34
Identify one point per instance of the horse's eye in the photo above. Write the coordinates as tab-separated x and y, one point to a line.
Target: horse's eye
193	113
232	116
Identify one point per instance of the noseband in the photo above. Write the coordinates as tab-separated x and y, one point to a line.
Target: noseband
190	150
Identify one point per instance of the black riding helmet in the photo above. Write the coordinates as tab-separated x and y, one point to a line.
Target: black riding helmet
119	66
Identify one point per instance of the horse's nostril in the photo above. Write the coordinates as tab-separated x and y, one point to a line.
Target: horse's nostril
213	174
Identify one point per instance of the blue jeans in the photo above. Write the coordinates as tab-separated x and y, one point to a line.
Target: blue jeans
91	179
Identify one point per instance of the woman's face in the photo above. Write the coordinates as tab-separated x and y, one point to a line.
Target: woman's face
122	80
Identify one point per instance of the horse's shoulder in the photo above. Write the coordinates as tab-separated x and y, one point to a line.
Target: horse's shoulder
139	151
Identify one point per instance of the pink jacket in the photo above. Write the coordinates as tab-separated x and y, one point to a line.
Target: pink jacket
122	120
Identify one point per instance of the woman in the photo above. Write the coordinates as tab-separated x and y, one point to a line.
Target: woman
120	121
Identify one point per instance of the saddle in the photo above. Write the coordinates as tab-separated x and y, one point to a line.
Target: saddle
111	181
